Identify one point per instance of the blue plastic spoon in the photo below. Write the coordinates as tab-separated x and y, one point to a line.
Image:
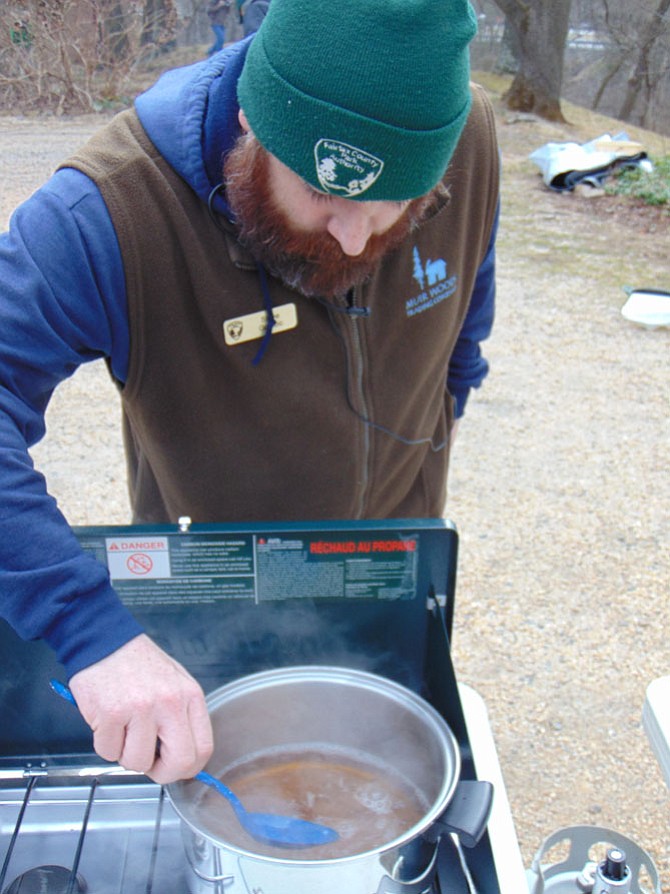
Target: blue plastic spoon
272	828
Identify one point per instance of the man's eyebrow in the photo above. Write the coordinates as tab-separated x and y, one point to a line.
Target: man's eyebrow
318	194
321	194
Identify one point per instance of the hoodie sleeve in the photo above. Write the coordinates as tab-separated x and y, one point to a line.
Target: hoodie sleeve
62	303
468	367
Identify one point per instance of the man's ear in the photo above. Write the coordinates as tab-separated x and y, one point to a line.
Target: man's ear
242	118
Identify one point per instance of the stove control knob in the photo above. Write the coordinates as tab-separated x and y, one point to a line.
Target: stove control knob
615	865
612	875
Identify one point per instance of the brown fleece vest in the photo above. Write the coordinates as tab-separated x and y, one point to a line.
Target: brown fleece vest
344	416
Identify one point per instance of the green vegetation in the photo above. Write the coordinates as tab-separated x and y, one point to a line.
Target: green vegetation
653	188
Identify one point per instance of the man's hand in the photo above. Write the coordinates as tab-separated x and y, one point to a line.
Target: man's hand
137	698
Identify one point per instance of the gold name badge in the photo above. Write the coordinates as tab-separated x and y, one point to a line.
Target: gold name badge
253	326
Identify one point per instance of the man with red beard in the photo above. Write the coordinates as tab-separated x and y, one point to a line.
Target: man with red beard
310	248
285	254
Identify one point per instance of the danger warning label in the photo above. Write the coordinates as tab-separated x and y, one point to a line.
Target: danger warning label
131	558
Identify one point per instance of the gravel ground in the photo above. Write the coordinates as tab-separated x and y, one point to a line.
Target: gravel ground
560	491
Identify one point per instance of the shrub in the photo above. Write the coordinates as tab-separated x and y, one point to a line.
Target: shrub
69	56
653	188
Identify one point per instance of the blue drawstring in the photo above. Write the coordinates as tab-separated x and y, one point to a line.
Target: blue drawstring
267	301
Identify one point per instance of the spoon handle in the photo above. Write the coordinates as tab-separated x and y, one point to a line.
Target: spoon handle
62	690
215	783
277	830
65	693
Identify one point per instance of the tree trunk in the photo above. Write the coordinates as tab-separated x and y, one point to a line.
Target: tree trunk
159	23
507	61
149	21
539	31
113	35
647	39
612	72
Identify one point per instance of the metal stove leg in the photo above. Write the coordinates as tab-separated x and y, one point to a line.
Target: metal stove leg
464	864
72	884
15	833
154	844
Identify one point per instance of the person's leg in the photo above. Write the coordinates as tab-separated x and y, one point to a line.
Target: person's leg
219	39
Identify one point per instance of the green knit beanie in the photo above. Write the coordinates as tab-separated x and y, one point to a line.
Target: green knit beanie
364	99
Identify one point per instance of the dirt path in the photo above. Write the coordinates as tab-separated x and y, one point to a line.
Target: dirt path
561	494
560	491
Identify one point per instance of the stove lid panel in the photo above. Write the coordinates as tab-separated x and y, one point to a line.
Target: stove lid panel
229	600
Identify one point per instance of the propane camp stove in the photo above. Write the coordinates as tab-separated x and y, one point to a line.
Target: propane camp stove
227	601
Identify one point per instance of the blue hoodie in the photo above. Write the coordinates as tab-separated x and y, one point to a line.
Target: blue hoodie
63	303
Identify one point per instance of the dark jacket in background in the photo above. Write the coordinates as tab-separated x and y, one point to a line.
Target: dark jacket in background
254	13
217	12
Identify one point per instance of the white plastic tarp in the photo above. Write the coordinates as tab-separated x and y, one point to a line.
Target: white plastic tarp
564	165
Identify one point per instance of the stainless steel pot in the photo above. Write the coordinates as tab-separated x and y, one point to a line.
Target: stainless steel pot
328	710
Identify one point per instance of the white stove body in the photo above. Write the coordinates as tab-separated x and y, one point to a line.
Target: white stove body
656	722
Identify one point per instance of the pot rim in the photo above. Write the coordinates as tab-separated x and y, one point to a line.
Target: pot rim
347	676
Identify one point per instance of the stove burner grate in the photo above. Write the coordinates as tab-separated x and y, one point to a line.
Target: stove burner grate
95	834
47	880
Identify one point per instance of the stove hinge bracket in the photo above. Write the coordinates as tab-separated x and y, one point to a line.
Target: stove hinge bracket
30	771
435	601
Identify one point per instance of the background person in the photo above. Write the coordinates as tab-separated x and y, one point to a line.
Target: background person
253	13
217	12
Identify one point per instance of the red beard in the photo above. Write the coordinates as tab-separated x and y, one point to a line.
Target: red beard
311	262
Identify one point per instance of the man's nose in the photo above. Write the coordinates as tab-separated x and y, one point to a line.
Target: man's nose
352	228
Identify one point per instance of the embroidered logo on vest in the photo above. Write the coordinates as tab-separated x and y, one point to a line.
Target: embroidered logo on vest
345	170
434	283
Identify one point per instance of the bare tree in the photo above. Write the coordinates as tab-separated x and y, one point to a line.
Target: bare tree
74	55
538	31
507	61
159	22
642	76
113	43
632	72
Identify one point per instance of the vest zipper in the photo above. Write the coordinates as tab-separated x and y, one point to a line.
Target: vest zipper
359	395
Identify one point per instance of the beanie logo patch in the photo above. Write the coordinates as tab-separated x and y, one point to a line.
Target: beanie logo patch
345	170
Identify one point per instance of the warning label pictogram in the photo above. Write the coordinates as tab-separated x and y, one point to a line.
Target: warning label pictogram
139	563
